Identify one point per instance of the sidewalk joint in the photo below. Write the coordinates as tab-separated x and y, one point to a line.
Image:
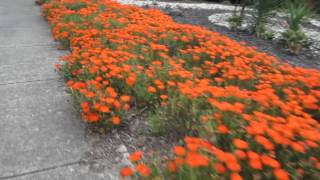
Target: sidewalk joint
31	81
27	46
39	170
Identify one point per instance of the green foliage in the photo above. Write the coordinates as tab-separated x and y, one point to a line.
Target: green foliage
115	24
73	18
294	38
298	12
76	6
263	33
156	123
264	9
235	22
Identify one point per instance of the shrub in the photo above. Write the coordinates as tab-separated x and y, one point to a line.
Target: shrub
294	38
264	9
235	22
298	12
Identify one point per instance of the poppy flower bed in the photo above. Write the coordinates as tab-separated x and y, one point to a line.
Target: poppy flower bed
249	115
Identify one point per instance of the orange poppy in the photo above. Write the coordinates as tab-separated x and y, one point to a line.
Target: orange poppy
93	117
143	169
281	174
222	129
151	89
136	156
126	171
179	151
171	166
115	120
235	176
196	160
219	168
240	144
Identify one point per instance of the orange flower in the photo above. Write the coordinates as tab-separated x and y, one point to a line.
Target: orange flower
297	147
179	151
222	129
93	117
96	106
126	107
112	93
130	81
85	107
151	89
192	147
270	161
171	83
115	120
240	144
126	171
117	104
109	100
179	161
255	164
136	156
254	160
125	98
281	174
171	166
311	144
240	154
235	176
264	142
104	109
219	168
84	104
233	166
163	97
197	160
143	169
204	118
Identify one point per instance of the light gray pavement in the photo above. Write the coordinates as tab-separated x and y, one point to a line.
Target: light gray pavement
41	135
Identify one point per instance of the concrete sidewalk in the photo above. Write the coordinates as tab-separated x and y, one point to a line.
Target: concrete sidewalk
41	136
